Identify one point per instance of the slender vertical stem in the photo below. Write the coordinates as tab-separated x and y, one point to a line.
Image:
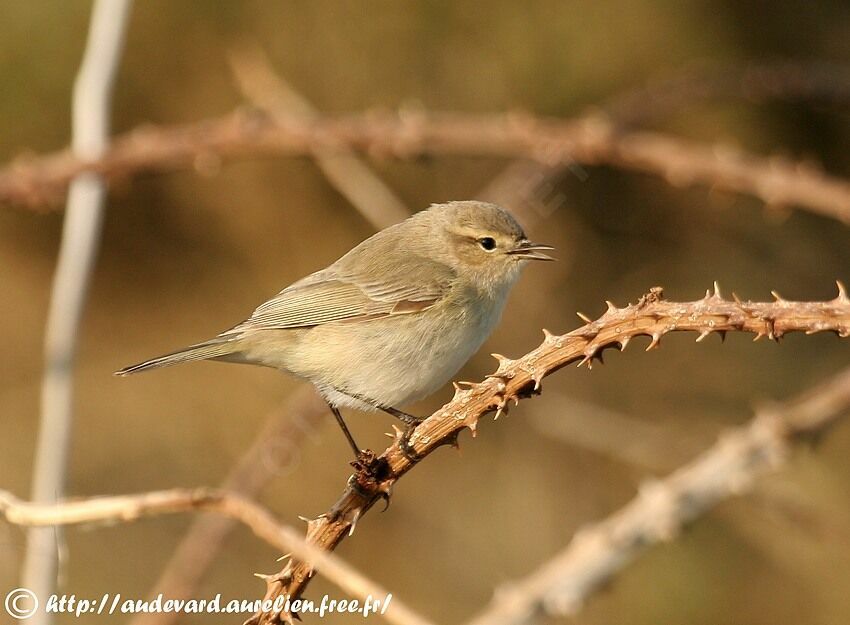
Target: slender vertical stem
77	253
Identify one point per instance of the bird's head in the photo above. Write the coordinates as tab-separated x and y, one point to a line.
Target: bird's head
482	242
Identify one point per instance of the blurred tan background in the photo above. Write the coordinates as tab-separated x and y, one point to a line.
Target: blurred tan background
185	256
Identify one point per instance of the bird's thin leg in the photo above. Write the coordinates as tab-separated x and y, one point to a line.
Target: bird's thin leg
370	468
407	419
345	431
410	423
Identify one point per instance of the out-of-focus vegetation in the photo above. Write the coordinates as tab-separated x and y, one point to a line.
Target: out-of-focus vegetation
185	256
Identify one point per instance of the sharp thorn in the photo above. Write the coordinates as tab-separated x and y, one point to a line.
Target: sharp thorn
354	520
503	360
584	317
610	304
717	290
842	292
736	298
777	296
656	339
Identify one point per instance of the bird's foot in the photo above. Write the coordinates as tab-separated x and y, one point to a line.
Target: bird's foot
370	470
410	421
404	443
365	462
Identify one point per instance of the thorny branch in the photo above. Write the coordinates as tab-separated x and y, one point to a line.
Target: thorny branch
590	140
663	507
515	379
125	508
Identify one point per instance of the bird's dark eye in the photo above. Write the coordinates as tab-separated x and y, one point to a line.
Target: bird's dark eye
487	243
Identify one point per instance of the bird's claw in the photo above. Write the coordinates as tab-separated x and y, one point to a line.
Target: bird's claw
405	446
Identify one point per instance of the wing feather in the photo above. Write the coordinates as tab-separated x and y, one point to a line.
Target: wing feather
333	296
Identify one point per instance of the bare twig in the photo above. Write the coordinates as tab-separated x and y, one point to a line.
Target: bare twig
662	508
344	170
620	436
587	141
80	237
514	379
125	508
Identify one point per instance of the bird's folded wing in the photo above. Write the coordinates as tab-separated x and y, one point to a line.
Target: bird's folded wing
329	296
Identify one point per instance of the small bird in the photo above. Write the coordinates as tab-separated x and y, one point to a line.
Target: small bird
391	321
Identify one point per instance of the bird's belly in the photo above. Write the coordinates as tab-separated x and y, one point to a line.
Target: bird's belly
390	361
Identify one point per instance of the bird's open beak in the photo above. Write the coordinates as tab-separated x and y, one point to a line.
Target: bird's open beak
531	251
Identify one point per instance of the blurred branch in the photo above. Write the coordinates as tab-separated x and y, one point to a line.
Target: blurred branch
589	140
514	379
80	239
353	178
126	508
274	450
659	448
619	436
662	508
822	83
528	188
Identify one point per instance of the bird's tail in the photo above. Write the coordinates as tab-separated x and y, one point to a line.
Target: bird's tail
214	348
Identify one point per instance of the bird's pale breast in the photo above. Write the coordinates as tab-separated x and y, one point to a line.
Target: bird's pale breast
391	361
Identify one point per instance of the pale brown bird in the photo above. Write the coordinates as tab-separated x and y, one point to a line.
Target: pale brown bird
393	319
